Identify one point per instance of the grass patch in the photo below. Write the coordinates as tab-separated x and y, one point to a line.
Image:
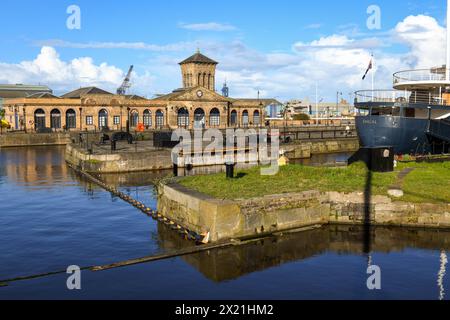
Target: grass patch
291	178
428	183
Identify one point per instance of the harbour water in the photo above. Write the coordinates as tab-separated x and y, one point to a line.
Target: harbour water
50	219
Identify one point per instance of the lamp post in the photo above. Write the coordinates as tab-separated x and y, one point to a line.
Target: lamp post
338	94
121	123
328	116
81	119
24	120
128	119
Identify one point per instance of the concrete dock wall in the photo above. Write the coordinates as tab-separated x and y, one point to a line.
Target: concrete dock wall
33	139
226	219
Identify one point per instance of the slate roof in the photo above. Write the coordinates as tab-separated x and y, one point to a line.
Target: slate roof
77	94
199	58
13	91
42	95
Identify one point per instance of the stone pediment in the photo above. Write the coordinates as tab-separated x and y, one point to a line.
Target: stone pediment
199	94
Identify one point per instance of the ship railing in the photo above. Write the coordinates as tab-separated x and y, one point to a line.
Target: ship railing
421	75
401	96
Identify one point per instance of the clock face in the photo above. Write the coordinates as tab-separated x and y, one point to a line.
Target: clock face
199	93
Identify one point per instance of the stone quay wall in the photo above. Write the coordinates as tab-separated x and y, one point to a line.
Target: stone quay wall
33	139
305	149
227	219
118	162
131	161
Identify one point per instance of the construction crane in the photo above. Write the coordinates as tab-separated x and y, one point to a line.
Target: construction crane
126	84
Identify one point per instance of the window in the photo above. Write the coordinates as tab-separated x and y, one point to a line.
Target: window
256	118
183	118
89	120
39	119
199	119
116	120
103	119
214	118
245	119
71	119
55	119
234	118
134	119
159	118
147	118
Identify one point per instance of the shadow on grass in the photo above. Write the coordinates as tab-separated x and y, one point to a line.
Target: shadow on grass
241	175
367	240
426	198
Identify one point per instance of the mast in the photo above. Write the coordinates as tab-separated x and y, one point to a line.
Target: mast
447	66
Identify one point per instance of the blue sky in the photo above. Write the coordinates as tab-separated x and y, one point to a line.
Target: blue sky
154	35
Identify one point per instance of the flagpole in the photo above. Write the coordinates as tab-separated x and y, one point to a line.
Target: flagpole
373	77
317	104
447	66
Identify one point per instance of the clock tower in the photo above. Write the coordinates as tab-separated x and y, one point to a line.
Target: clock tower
199	70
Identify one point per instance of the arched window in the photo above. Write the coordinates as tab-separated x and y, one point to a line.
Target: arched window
214	118
39	119
183	118
245	119
159	119
209	81
204	80
256	118
134	119
147	118
71	119
234	118
103	119
55	119
199	80
199	119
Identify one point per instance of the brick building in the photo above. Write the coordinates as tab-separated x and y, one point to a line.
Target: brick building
195	105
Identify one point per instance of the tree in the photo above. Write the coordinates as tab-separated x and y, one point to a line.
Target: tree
2	114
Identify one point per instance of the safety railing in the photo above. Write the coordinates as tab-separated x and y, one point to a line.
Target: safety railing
421	75
402	96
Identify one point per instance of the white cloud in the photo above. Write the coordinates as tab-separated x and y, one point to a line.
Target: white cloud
175	47
340	41
48	68
335	62
425	38
210	26
314	26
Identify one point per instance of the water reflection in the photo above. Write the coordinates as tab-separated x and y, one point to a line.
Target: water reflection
34	167
233	263
441	275
51	212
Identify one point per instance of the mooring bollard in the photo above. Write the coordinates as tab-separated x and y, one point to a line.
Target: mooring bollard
230	169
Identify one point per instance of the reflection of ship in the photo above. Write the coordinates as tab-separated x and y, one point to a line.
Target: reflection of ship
234	262
413	118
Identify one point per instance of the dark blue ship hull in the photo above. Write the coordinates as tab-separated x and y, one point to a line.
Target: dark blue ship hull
405	135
